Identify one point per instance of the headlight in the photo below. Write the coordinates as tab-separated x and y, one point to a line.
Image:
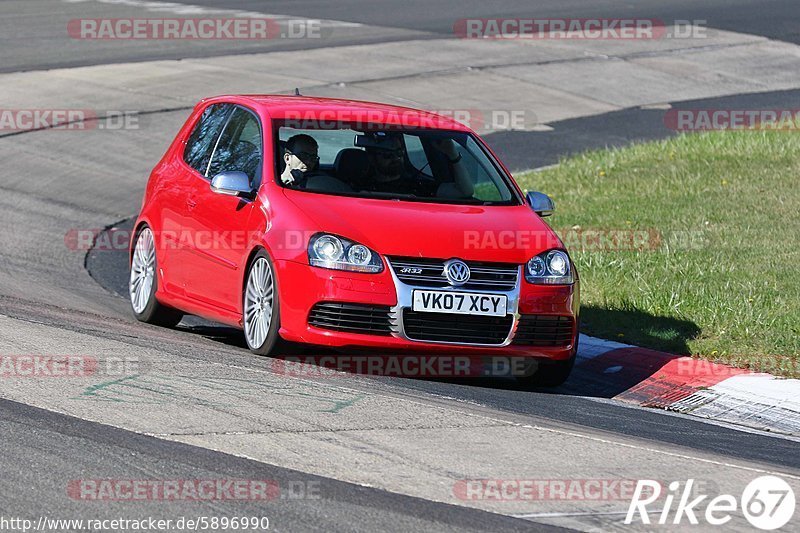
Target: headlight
338	253
549	268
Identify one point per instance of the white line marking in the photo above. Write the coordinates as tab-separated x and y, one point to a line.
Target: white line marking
587	513
661	452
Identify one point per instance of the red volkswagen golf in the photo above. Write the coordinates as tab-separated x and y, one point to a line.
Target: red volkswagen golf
352	224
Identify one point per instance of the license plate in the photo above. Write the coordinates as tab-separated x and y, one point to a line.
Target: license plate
463	303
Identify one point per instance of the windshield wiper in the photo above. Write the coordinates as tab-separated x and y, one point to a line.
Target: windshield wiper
390	195
427	199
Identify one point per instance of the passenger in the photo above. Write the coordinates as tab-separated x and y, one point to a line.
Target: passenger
301	158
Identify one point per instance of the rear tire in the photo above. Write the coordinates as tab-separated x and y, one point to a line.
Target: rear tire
143	284
261	306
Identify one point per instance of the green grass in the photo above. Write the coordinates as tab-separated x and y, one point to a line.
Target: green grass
720	275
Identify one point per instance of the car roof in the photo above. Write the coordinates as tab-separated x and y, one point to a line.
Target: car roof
310	108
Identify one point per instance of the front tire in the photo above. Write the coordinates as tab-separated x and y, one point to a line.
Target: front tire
143	284
261	309
549	374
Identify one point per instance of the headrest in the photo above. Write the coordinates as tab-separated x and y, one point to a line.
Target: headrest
352	165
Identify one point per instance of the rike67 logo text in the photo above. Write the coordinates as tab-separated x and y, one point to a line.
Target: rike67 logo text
767	502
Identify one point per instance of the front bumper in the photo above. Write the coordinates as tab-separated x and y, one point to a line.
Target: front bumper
302	286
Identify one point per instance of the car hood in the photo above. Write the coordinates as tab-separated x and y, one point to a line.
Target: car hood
417	229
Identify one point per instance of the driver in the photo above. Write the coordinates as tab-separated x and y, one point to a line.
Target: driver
301	157
388	169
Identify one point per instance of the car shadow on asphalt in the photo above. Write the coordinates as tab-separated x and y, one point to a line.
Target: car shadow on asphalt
606	375
656	341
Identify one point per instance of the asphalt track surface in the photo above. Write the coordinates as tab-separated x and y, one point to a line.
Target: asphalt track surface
30	37
42	449
71	447
774	19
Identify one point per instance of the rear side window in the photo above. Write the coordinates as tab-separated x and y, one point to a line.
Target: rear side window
239	148
201	142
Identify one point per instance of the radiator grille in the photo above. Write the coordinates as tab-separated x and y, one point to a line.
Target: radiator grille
430	273
464	329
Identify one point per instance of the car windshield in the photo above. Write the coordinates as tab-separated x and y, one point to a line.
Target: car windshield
424	165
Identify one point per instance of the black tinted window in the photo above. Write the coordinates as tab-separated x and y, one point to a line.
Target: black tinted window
239	148
201	142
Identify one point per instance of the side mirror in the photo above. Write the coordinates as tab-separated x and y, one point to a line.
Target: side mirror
541	204
232	184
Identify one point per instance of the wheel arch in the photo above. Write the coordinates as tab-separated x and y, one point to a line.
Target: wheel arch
251	256
137	229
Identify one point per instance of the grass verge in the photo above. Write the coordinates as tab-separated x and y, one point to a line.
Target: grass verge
689	245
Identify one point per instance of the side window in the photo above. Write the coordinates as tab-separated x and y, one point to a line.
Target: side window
239	148
201	142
